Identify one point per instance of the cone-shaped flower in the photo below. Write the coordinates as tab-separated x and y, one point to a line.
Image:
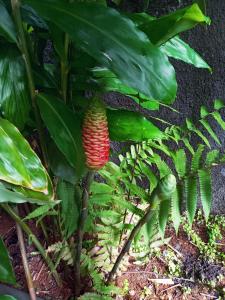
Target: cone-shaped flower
95	135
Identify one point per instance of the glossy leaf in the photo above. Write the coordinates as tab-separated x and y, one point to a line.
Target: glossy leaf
178	49
7	28
205	185
14	92
65	129
7	196
19	164
126	125
60	166
109	82
6	271
127	52
162	29
7	297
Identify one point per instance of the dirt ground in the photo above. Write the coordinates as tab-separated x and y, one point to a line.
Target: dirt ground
147	282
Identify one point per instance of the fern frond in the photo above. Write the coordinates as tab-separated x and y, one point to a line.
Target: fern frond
212	157
196	159
180	160
163	216
210	131
191	195
175	207
204	177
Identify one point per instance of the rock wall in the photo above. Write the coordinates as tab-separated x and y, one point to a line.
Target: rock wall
196	87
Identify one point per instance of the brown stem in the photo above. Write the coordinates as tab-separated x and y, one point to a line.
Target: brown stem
162	192
29	279
80	233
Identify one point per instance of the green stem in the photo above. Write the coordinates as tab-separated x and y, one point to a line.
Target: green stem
163	192
34	239
22	45
65	69
29	279
80	233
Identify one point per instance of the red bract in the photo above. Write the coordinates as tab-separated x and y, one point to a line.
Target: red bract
95	135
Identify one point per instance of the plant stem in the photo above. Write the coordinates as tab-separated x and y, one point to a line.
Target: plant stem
80	233
65	69
34	239
149	214
29	280
22	45
162	192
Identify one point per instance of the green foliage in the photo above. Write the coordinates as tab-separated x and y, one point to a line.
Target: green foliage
6	271
111	47
209	249
122	122
161	30
7	297
70	204
14	95
63	129
19	165
7	28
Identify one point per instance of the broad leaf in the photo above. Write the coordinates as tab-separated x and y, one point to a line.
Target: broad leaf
7	297
161	30
205	185
70	196
65	129
59	165
6	271
7	196
127	52
14	92
126	125
108	82
7	28
178	49
19	164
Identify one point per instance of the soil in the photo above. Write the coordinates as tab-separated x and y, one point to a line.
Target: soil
146	282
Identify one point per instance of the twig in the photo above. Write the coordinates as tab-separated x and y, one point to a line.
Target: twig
162	280
34	239
169	288
29	279
80	233
209	296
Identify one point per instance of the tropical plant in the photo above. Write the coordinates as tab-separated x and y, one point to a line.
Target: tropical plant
50	99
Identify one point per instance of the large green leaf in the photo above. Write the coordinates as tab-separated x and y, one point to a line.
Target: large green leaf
127	125
164	210
14	92
109	82
161	30
59	165
7	297
6	271
65	129
7	196
7	28
19	164
178	49
115	42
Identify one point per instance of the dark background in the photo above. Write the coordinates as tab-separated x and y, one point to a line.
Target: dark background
196	87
